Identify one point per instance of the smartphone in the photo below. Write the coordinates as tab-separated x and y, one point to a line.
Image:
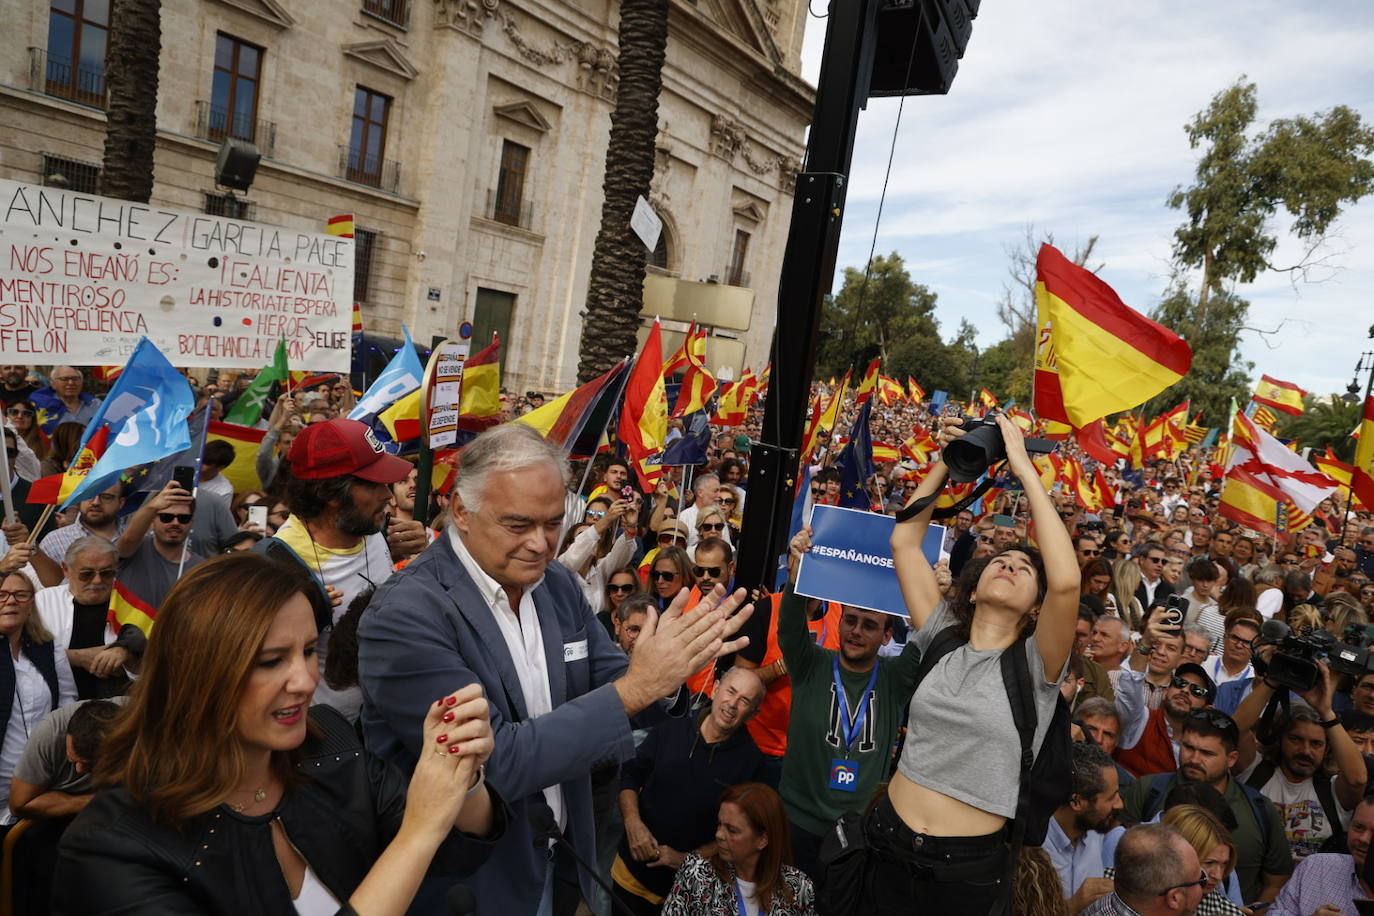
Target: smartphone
257	515
386	524
185	476
1175	607
627	492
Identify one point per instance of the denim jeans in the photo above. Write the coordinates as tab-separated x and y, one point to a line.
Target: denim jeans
914	873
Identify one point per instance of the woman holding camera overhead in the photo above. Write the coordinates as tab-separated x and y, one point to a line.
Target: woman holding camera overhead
940	837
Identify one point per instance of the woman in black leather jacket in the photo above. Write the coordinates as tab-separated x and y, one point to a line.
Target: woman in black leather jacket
226	793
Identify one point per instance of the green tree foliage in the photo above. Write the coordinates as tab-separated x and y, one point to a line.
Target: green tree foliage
1218	373
1324	421
1310	165
893	318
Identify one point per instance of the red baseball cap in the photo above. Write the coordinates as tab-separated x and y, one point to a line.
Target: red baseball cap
338	447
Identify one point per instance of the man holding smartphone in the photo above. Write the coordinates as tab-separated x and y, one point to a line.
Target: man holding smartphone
153	549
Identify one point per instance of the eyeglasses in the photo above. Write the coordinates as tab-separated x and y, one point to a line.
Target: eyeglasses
18	412
168	517
65	379
20	595
707	572
87	575
1154	559
1196	690
1200	882
1091	551
711	526
984	539
1237	640
621	588
726	501
663	575
596	513
666	539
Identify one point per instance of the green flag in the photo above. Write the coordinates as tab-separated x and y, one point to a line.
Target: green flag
247	410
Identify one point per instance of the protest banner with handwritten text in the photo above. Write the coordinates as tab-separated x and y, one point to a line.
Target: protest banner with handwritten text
83	277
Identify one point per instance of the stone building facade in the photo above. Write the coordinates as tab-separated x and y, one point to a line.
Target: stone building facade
466	136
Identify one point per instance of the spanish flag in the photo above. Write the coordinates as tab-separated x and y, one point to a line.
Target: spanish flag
824	421
582	412
884	453
918	394
644	418
732	408
1333	467
340	225
402	418
889	390
986	399
678	362
243	473
698	384
1095	355
1280	395
479	405
128	608
1250	502
869	383
1362	477
55	488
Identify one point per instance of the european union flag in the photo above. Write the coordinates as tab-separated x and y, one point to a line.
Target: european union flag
146	411
857	463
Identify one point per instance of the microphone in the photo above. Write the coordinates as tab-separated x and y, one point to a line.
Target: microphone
461	901
545	825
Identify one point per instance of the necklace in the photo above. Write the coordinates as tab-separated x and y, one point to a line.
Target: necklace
258	796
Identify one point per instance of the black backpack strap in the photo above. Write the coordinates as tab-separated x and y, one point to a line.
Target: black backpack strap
1322	784
1017	681
945	642
1263	771
920	505
1154	796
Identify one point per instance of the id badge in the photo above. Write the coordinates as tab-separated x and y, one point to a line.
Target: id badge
844	775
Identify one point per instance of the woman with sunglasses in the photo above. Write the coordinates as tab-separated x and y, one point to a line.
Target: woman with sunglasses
670	573
223	791
731	501
620	585
35	677
595	549
713	523
1117	545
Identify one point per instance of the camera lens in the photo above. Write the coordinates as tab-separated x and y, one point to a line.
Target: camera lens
970	455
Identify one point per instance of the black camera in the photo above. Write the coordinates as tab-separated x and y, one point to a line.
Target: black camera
1294	665
1351	655
981	446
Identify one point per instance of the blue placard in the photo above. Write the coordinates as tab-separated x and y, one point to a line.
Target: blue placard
851	559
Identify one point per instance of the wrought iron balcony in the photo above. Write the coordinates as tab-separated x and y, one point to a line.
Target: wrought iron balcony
374	171
216	123
53	75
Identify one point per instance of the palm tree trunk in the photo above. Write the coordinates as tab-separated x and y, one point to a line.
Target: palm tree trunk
616	290
135	41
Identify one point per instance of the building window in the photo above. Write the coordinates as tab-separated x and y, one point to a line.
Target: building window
75	66
367	143
659	256
229	206
234	95
736	275
510	184
364	247
492	314
71	174
392	11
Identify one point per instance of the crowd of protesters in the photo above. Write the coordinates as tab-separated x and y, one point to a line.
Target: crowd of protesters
552	695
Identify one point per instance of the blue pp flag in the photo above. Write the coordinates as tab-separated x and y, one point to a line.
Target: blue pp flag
937	401
851	559
401	377
856	462
146	411
691	446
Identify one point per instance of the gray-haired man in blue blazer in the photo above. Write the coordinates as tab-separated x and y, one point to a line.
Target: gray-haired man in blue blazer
487	603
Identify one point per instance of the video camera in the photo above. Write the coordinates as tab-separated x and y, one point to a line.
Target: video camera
981	446
1351	655
1294	665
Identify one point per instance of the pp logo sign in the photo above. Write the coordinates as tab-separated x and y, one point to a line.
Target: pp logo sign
844	775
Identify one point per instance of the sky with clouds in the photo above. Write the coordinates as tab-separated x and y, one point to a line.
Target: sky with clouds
1069	114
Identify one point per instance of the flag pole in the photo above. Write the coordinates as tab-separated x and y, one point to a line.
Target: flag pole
5	478
42	520
610	418
1349	496
186	544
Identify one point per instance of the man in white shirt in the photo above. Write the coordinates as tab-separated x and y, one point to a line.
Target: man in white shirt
706	487
1233	664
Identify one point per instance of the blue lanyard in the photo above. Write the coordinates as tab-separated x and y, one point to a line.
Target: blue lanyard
851	729
739	899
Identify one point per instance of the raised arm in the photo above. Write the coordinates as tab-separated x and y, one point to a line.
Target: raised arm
914	573
1054	630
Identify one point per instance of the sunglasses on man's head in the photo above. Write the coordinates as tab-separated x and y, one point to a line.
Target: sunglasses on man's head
1200	882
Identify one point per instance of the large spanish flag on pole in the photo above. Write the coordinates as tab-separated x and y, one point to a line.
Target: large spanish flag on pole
644	418
1362	477
1279	395
55	488
1095	355
698	384
1248	501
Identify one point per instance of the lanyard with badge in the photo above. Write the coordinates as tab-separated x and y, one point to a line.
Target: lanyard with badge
844	773
739	899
